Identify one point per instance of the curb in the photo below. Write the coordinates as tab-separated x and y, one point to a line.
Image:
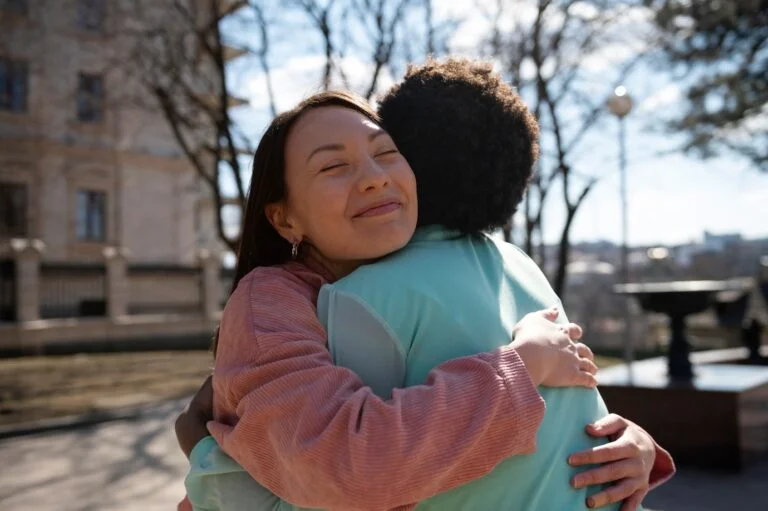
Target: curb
79	421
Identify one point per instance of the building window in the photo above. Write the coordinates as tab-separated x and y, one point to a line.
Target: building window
18	7
13	85
13	209
91	14
90	98
91	215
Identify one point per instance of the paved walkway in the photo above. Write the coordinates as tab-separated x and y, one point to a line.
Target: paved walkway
698	490
132	465
136	466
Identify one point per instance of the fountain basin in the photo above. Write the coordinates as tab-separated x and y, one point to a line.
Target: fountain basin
717	419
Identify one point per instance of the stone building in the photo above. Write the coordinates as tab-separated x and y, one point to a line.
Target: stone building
79	169
88	178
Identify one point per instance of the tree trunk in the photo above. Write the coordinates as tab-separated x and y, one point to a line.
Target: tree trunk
563	253
529	224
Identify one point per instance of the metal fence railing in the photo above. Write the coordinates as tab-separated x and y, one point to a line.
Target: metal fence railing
227	276
72	290
164	289
7	290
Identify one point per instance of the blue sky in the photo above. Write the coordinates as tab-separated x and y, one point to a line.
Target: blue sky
672	198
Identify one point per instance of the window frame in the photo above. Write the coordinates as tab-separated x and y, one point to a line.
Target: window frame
90	99
85	230
91	16
7	229
15	7
12	73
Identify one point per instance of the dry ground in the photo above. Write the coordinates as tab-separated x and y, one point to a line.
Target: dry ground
36	388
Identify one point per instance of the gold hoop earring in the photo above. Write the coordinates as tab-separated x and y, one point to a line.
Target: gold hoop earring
295	249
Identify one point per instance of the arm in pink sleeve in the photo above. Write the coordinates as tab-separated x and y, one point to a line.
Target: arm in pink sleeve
184	505
315	436
663	468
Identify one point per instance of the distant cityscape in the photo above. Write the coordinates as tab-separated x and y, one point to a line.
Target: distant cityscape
595	268
716	256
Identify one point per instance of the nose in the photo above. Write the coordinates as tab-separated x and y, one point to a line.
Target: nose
372	176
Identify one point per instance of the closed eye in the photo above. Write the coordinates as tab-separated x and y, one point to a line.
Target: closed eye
332	166
391	151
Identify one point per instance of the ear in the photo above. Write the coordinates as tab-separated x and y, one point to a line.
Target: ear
278	216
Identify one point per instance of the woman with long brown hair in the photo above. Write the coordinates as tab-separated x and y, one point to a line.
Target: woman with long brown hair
308	431
330	191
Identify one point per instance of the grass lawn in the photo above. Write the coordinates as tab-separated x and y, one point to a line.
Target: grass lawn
35	388
604	361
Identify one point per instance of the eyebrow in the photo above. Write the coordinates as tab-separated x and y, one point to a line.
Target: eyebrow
375	134
339	147
329	147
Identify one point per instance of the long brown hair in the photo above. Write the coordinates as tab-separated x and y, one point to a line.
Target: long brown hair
260	244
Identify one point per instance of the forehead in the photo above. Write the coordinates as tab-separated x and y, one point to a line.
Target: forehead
329	125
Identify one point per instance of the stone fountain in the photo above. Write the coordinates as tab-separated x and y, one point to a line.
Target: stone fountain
708	408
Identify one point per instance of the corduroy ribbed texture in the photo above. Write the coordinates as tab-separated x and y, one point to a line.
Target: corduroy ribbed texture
314	435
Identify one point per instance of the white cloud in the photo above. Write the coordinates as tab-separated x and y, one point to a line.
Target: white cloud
295	79
475	20
664	97
584	10
301	76
662	189
748	129
606	58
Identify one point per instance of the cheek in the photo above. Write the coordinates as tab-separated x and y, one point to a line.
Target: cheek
324	206
406	181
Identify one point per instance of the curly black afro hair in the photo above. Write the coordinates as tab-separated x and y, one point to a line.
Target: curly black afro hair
469	139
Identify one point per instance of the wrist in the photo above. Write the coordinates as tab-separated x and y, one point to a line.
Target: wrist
527	354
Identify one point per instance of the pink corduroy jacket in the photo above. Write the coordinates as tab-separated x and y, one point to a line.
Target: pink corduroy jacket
314	435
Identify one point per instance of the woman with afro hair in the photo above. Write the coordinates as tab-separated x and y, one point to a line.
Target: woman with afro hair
454	291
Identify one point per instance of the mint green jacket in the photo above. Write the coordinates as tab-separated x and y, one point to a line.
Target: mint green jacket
443	296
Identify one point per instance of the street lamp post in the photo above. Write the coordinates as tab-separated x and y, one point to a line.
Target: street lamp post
620	104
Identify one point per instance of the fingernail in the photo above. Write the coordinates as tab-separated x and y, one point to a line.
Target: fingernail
590	502
572	460
577	482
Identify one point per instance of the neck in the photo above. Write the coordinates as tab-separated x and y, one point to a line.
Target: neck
332	270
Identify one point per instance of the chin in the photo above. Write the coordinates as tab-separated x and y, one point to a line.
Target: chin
392	243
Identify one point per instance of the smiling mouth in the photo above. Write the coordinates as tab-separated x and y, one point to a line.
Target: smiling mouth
380	210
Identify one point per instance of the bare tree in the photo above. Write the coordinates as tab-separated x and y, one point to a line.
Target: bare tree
381	27
376	32
180	60
176	53
320	17
425	33
263	54
544	53
724	44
